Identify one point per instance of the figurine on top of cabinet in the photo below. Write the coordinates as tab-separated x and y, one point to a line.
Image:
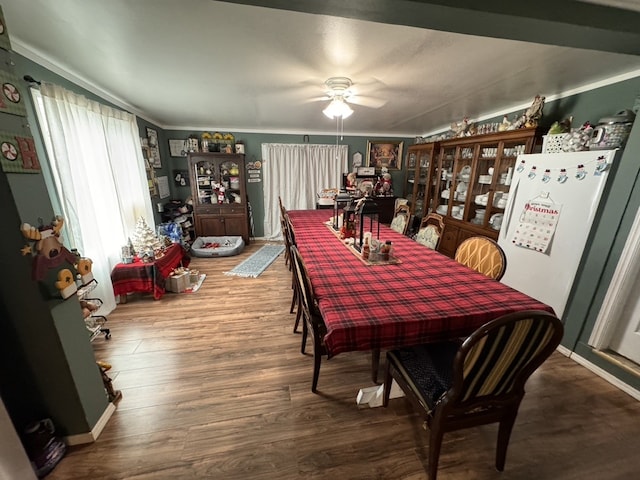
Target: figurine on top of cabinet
463	129
531	116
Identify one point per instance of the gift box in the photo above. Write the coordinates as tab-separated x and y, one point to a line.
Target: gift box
178	283
194	276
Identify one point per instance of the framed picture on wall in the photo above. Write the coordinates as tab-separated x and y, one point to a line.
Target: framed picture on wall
152	137
384	153
177	148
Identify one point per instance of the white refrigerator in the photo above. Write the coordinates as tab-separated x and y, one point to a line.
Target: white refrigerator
552	203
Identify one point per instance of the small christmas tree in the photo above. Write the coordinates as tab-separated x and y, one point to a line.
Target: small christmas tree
144	240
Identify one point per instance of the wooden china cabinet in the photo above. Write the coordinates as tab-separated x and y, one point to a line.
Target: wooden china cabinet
219	194
473	180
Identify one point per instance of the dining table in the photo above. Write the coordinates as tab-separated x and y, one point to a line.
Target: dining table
423	296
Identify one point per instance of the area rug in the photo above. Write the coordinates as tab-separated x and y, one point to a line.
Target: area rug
258	262
196	286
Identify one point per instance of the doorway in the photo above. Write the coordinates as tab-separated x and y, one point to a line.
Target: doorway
617	327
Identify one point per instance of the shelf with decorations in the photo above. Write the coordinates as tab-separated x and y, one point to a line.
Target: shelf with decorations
219	196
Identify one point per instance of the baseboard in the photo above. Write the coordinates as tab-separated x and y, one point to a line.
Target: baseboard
95	432
605	375
564	351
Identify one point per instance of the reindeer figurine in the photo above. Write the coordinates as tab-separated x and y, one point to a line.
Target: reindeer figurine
55	267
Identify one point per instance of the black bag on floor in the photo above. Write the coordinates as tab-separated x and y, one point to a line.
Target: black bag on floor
43	447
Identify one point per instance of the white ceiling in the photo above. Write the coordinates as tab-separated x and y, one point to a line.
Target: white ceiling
209	65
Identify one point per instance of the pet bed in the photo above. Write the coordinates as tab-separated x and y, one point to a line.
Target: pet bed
217	246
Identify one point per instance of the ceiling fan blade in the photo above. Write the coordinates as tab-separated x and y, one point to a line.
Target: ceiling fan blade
324	98
365	101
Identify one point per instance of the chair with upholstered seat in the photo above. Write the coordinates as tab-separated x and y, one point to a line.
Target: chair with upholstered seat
483	255
430	231
478	382
401	219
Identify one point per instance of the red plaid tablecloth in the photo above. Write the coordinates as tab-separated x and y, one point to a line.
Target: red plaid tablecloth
148	277
427	297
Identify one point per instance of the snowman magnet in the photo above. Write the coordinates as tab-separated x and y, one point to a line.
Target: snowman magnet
581	173
562	177
601	166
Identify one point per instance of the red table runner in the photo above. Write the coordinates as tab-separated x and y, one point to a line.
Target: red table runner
426	298
148	277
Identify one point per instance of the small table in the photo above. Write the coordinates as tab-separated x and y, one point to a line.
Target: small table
147	277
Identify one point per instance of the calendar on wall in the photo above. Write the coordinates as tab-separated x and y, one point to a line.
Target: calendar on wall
537	224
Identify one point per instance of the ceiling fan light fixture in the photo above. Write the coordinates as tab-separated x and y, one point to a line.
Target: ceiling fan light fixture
338	91
338	108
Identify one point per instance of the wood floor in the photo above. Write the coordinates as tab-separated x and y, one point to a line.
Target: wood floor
215	387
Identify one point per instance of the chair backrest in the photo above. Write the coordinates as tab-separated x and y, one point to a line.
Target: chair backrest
483	255
305	289
495	361
430	231
400	222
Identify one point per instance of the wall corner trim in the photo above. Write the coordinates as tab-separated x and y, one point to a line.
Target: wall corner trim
95	432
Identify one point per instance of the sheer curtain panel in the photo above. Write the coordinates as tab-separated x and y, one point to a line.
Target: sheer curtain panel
98	171
296	173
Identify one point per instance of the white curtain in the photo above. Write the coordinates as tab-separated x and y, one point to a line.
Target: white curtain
296	173
100	181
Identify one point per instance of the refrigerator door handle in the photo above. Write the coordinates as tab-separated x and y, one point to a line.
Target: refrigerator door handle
509	211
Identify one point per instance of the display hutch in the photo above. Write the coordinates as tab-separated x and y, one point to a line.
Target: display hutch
420	176
219	194
473	179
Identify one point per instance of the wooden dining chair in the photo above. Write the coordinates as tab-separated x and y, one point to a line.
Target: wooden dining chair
290	241
289	238
481	381
284	222
483	255
430	231
401	219
313	324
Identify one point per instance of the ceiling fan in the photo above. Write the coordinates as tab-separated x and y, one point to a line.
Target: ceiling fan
340	93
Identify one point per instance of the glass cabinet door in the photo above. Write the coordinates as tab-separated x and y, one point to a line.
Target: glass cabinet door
445	181
229	172
207	178
492	181
420	184
461	181
483	186
410	174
